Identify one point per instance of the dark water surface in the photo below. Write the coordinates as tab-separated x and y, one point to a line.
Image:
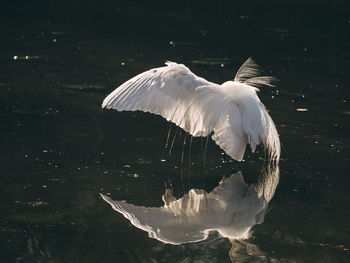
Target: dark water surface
59	150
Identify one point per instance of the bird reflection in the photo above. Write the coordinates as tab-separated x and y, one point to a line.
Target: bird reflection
231	209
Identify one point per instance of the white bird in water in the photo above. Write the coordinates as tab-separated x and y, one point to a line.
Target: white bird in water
231	209
232	111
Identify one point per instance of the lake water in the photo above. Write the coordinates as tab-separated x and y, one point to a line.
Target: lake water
60	150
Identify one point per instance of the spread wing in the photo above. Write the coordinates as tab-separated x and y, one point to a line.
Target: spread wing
231	110
191	217
231	209
168	91
162	223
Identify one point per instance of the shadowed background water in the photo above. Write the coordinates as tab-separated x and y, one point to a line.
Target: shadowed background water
59	150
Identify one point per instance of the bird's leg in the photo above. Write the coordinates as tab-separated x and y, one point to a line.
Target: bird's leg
169	132
183	150
189	152
182	162
167	139
205	150
202	151
173	141
170	184
183	117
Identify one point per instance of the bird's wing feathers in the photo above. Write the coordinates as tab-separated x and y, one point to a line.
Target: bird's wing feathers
256	123
229	134
169	91
238	117
230	209
235	115
163	223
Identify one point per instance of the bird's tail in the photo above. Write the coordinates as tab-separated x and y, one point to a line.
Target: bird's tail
254	112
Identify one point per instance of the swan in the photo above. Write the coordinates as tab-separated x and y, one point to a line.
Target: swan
232	112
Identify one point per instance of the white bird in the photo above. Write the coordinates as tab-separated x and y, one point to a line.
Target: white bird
231	111
231	209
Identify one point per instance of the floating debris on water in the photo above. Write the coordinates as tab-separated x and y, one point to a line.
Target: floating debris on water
211	61
57	33
83	87
26	57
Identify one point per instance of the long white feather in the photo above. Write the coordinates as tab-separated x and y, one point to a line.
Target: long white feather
232	111
248	70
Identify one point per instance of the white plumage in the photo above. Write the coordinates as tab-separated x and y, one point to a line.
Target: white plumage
231	209
231	111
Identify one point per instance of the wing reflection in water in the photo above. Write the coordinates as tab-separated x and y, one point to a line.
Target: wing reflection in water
231	209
